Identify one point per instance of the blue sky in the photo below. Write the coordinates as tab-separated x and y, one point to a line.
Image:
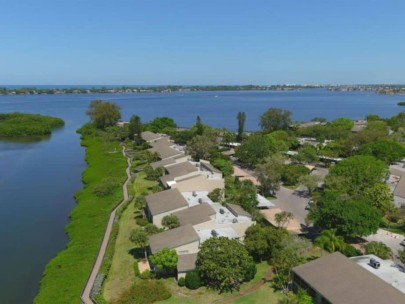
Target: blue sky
202	42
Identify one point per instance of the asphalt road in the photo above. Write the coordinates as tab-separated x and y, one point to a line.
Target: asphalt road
293	201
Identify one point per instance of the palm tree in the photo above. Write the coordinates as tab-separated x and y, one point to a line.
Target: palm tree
329	241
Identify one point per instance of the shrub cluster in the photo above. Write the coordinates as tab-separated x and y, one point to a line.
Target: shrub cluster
192	280
106	187
145	292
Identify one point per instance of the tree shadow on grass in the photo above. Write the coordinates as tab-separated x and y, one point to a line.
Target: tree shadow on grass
137	253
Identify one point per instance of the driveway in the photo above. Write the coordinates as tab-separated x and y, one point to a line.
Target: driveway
392	240
293	201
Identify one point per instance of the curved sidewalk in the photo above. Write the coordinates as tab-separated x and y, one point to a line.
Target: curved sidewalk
85	296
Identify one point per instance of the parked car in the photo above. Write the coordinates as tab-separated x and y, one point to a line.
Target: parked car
402	243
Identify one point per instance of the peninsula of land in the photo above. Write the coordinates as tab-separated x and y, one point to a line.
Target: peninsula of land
27	125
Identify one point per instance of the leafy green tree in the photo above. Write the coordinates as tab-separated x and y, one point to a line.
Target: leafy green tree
292	173
283	261
153	174
164	260
135	128
200	147
244	194
307	154
372	117
386	150
223	164
397	121
241	125
263	241
283	218
152	229
329	241
199	126
253	149
216	195
310	182
222	263
350	218
170	221
380	197
103	113
182	137
356	173
275	119
344	123
140	238
269	176
379	249
301	297
160	125
378	125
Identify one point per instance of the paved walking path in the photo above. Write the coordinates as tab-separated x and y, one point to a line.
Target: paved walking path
247	291
85	296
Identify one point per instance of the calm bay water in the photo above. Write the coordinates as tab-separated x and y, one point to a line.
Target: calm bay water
38	178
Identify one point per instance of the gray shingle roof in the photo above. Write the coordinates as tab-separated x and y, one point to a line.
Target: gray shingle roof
207	165
178	170
165	201
342	281
150	136
181	169
173	238
195	215
162	163
237	210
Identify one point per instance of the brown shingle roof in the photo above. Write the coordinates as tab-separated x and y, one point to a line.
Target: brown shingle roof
400	188
173	238
237	210
195	215
165	201
342	281
186	262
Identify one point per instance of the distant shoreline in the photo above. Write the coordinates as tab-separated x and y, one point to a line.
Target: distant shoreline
61	89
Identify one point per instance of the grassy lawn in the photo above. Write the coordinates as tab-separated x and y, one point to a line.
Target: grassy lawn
66	274
182	295
121	275
265	294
